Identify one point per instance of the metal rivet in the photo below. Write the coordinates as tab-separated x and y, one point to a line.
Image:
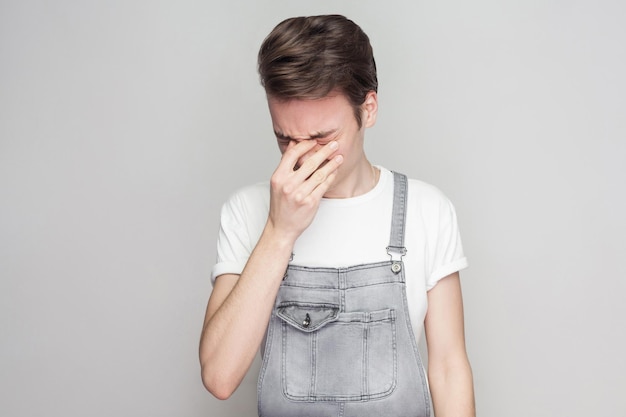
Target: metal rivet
307	321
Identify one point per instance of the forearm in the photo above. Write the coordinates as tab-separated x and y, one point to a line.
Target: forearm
239	310
232	334
452	388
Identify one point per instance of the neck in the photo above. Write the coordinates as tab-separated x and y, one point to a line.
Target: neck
362	179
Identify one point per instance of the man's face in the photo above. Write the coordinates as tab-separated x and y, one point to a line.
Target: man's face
322	120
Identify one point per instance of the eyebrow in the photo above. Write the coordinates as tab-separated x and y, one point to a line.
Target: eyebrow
316	135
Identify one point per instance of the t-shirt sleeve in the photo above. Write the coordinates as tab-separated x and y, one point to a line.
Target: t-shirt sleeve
233	241
445	248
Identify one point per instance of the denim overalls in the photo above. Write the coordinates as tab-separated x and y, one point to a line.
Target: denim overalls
339	341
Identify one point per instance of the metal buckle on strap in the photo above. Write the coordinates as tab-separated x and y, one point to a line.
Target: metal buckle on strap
287	269
396	253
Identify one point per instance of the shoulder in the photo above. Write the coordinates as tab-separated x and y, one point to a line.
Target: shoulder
250	194
428	201
249	199
425	194
424	189
418	191
423	197
431	206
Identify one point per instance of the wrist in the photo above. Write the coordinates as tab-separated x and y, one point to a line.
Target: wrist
280	240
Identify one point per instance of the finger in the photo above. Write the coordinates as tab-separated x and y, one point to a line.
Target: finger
319	191
307	155
293	153
319	178
312	164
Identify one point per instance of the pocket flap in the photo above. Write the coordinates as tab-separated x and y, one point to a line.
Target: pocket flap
307	317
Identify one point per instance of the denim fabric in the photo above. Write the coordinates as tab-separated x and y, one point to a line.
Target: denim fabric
340	343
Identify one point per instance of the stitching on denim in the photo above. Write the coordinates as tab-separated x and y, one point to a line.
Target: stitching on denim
366	388
349	279
313	387
284	358
268	347
365	395
416	354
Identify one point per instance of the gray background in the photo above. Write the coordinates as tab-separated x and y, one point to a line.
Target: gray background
125	124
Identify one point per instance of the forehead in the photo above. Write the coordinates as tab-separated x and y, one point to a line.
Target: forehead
302	116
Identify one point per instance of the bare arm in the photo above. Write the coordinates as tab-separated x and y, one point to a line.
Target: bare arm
239	308
449	371
237	315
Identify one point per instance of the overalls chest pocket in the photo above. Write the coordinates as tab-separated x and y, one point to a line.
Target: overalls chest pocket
330	355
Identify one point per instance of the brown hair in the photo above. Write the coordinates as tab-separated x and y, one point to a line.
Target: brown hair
308	57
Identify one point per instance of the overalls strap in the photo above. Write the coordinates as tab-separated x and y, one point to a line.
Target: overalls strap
396	249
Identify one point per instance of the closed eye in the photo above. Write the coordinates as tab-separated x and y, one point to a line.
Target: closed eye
320	137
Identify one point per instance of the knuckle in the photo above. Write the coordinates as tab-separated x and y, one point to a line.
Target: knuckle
306	201
299	198
318	176
286	189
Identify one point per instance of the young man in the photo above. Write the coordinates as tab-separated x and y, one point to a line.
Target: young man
335	267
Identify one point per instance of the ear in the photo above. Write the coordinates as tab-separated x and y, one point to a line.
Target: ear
370	109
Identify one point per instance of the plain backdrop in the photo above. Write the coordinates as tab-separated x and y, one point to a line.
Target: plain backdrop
125	124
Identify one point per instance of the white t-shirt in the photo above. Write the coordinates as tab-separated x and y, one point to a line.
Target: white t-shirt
354	231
